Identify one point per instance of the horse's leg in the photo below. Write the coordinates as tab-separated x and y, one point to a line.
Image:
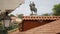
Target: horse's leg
36	12
32	12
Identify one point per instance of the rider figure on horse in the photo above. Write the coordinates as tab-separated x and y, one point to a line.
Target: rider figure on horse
32	8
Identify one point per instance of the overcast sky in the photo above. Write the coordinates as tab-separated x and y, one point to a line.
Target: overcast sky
43	6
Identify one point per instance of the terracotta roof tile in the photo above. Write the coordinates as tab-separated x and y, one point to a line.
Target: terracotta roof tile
41	17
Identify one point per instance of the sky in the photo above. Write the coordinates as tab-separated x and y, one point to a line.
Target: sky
43	6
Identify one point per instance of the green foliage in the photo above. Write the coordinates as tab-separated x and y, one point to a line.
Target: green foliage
46	14
20	15
3	31
1	26
56	10
0	23
12	27
11	15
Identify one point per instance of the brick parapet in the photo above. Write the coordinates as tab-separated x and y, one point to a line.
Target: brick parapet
41	17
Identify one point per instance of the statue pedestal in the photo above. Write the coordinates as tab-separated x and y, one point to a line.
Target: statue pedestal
33	15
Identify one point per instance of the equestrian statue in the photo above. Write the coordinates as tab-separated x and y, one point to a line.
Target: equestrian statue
33	8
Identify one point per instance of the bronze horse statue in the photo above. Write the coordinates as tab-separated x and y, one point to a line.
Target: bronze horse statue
33	8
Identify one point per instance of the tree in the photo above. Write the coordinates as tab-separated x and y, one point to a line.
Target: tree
56	10
20	15
12	15
46	14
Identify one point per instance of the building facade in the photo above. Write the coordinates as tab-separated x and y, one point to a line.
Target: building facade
9	5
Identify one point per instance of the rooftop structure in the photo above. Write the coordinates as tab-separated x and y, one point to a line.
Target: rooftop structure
40	25
41	17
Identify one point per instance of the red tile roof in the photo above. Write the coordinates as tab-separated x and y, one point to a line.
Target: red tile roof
50	28
41	17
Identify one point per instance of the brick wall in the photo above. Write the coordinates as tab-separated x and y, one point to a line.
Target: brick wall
29	24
